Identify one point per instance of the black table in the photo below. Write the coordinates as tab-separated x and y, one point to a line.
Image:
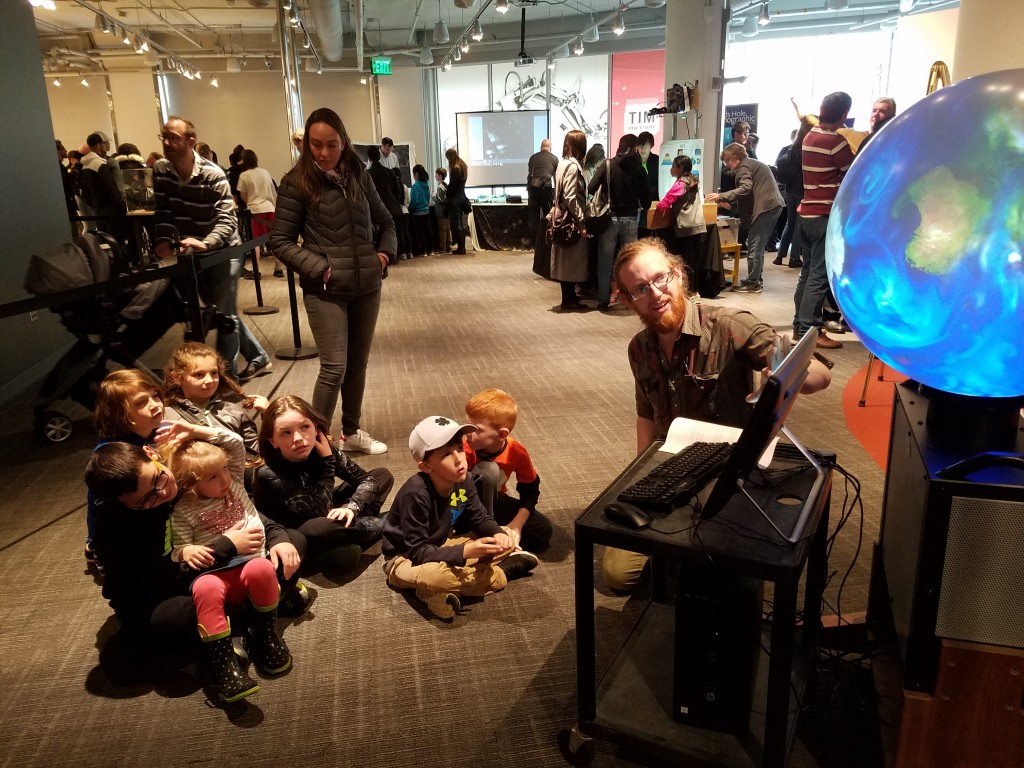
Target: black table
501	226
632	703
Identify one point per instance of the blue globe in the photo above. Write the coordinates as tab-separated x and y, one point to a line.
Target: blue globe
924	245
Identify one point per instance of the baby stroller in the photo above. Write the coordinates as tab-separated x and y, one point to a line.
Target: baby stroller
116	327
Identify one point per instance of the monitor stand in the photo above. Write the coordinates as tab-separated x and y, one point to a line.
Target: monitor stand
797	534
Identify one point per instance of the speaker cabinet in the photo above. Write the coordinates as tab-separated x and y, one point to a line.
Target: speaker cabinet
952	537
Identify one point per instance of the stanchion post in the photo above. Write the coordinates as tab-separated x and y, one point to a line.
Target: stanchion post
245	229
190	281
298	352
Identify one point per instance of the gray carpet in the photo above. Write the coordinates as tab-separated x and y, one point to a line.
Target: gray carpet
376	681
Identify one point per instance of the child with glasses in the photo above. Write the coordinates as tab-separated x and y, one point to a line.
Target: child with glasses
208	466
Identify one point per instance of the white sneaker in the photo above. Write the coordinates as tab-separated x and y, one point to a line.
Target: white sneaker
362	443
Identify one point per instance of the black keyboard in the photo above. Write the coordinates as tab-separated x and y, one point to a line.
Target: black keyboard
674	481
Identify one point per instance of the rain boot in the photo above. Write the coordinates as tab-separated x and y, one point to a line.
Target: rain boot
230	681
268	650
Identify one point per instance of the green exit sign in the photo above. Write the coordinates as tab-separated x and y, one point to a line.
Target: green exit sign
380	65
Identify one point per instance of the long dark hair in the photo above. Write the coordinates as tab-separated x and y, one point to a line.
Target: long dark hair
575	145
305	174
456	162
277	407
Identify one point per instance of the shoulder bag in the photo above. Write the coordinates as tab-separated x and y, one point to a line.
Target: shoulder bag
562	230
599	208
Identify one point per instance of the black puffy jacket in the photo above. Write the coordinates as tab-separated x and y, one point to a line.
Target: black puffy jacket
337	232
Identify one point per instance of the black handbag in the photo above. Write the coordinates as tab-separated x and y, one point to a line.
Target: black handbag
599	208
563	230
466	207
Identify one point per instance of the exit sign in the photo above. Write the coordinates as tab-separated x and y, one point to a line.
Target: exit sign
380	65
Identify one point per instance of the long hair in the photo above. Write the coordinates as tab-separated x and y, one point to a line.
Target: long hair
305	174
595	156
455	162
278	407
575	145
113	397
184	360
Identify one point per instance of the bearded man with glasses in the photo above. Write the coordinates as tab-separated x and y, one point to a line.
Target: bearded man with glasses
689	360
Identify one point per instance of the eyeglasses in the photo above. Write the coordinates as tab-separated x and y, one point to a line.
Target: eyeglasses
170	138
159	483
661	282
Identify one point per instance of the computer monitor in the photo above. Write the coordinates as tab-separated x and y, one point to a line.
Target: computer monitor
773	405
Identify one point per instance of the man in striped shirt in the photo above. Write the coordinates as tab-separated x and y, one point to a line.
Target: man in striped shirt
195	209
826	157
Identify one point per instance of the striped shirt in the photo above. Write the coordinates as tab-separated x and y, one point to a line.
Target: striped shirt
826	159
200	206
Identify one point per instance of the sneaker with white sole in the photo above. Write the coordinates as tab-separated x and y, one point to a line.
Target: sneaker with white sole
362	443
444	605
518	564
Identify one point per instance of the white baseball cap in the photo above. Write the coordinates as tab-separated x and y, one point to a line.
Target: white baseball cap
435	432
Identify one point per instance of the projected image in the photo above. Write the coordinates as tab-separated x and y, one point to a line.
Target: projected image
497	145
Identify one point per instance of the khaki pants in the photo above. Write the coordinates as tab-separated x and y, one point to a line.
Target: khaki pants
478	577
622	569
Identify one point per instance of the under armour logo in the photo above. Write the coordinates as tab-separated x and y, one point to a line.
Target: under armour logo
458	497
441	421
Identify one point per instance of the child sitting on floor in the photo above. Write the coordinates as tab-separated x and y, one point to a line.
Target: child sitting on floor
494	458
420	551
208	465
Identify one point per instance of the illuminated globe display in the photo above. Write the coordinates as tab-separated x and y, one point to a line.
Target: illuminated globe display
924	245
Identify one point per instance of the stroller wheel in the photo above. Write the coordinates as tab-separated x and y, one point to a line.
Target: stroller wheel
54	426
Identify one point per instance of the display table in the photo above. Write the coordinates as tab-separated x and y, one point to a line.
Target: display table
633	701
500	226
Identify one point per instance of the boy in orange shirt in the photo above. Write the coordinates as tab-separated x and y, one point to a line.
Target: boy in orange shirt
494	458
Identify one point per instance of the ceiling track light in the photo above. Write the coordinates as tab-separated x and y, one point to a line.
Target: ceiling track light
362	80
477	32
306	43
447	64
501	6
457	53
125	37
763	18
56	82
578	48
464	45
214	83
620	25
85	82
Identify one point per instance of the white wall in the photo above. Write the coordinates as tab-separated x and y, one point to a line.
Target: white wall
77	111
136	110
401	111
920	41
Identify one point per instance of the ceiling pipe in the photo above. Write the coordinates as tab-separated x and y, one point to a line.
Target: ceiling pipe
327	20
357	11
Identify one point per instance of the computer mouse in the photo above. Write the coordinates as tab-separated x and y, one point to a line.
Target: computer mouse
626	514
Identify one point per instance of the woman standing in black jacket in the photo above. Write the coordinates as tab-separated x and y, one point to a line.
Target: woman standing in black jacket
329	200
458	172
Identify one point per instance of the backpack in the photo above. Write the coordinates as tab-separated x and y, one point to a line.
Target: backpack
788	172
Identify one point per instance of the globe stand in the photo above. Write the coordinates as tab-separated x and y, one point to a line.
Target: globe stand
972	424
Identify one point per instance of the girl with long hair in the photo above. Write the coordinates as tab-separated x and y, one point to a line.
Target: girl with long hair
458	174
329	202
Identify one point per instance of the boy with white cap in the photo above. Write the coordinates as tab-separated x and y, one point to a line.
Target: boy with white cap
419	550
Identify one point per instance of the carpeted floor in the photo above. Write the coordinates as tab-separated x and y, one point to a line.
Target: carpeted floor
375	681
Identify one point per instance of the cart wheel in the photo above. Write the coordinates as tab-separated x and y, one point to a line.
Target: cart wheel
576	748
55	426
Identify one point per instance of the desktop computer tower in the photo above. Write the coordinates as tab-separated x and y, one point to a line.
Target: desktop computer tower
717	644
951	544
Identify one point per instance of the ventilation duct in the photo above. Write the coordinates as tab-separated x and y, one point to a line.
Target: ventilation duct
327	21
261	3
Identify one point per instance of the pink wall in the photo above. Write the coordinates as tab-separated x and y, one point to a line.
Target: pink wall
638	84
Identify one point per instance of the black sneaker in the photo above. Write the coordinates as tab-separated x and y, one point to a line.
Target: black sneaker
748	288
518	564
252	370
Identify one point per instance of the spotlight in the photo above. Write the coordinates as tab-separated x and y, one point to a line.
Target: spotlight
501	6
269	62
763	18
578	49
319	68
447	64
197	74
306	43
125	37
85	82
243	62
620	25
457	55
214	83
477	32
464	45
56	82
293	17
362	80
